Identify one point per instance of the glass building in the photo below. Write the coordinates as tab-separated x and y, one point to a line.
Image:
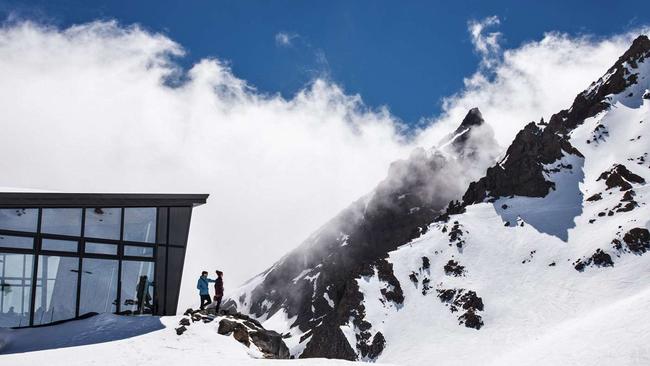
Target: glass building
65	255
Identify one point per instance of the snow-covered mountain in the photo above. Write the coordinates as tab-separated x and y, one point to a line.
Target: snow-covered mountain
541	259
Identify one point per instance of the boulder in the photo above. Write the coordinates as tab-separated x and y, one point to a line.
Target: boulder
238	331
270	343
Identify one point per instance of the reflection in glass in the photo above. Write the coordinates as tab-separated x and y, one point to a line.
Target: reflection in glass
101	248
62	221
56	289
19	242
130	250
103	223
98	286
59	245
140	224
137	287
15	289
19	219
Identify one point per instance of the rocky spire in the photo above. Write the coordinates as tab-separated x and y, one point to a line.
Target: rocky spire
473	118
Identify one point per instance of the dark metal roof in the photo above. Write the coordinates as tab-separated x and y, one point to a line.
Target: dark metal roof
32	199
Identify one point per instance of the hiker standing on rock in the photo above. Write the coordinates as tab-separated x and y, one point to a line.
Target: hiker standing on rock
218	289
202	286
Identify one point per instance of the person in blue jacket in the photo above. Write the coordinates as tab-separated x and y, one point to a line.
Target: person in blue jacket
202	286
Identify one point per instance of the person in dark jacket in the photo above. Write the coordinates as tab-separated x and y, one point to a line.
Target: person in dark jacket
143	296
218	289
202	286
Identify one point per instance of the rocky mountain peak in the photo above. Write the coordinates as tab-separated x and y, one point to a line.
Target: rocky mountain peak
638	50
473	118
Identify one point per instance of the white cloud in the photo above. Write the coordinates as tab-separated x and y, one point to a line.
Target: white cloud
88	109
486	44
285	39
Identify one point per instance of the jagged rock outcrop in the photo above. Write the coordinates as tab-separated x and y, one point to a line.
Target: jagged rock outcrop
619	176
521	171
242	328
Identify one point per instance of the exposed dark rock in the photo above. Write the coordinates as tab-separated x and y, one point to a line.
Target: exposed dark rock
629	196
579	265
270	343
425	263
385	273
619	176
425	286
454	208
599	259
470	300
627	207
413	277
456	235
521	172
248	331
637	240
617	244
471	320
180	330
595	197
184	321
452	268
602	259
375	348
457	299
329	342
446	295
238	331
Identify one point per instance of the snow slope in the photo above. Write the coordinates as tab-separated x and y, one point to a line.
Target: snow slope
157	344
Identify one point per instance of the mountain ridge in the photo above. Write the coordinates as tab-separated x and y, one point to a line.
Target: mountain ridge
381	260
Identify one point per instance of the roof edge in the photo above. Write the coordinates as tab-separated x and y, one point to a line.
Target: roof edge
55	199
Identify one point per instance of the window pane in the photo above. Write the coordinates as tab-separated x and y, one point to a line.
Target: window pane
101	248
103	223
20	242
56	289
98	286
140	224
19	219
138	251
137	287
60	245
15	289
62	221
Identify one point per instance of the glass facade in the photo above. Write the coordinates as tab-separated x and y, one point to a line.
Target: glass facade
15	288
59	263
56	288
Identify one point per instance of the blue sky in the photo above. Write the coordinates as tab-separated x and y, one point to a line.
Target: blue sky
405	55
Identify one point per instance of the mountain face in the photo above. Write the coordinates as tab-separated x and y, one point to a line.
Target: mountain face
544	249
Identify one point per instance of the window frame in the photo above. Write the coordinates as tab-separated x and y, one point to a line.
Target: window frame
36	251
